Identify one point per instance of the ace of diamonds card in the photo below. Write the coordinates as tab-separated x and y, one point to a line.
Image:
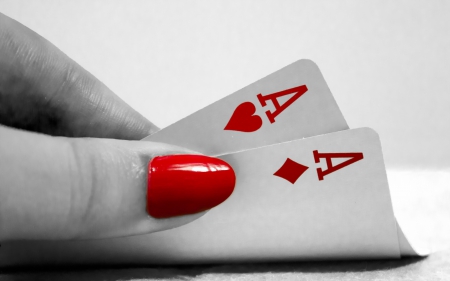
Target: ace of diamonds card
321	197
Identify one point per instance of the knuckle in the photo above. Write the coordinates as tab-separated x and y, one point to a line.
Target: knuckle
84	173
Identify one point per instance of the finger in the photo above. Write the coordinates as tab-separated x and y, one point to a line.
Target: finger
43	90
67	188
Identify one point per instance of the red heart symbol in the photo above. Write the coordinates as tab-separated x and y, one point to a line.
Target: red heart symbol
244	119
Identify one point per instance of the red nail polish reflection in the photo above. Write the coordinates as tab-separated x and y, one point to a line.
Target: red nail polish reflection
187	184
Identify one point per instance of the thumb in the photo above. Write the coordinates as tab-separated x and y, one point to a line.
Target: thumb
84	188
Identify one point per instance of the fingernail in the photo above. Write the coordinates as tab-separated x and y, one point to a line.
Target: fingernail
187	184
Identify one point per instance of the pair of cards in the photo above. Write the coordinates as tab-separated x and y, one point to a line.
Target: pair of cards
307	187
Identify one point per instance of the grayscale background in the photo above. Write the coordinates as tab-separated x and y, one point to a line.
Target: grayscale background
386	62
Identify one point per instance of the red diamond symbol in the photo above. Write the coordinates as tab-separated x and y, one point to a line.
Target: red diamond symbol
291	170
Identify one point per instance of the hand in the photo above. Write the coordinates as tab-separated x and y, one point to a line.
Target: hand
70	167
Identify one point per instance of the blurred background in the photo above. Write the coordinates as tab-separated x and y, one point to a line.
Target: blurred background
386	62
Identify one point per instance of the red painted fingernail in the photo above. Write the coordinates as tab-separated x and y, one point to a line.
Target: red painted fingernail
187	184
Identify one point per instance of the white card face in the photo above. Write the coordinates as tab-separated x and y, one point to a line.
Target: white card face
292	103
280	210
347	214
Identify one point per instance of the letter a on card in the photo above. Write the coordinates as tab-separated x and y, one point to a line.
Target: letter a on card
299	91
353	157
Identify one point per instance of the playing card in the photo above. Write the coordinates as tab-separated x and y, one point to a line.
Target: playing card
292	103
324	197
320	197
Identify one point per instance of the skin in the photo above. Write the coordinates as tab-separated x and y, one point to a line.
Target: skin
71	166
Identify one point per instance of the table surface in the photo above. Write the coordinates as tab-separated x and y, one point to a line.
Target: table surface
433	267
420	198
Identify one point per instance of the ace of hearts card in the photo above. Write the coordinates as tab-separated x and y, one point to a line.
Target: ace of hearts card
294	102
